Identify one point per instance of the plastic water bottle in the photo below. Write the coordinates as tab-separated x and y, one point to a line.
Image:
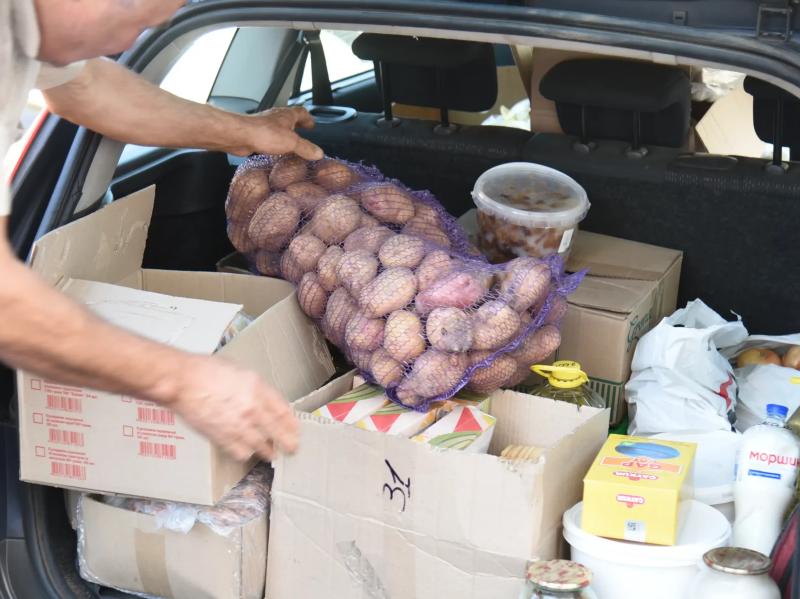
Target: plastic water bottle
766	471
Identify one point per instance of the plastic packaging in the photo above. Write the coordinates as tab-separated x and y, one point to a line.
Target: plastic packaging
392	279
766	473
559	579
565	381
734	573
623	569
239	323
527	209
714	470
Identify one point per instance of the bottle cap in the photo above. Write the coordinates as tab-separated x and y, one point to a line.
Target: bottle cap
563	374
559	575
737	560
774	409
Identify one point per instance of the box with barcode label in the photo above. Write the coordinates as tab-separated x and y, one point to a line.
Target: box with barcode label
633	489
80	438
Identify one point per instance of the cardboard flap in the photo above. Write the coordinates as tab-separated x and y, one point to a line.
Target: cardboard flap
189	324
606	256
107	245
620	296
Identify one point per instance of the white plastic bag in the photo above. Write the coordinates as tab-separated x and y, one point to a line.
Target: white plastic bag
762	384
680	379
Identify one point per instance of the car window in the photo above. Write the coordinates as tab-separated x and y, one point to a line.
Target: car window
341	61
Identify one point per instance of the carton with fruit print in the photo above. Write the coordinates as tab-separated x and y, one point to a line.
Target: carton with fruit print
465	428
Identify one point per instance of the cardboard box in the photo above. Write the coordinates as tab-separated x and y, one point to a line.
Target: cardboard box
361	514
107	443
631	286
125	550
633	489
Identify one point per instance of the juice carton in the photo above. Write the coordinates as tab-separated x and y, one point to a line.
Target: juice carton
466	428
469	398
394	419
355	405
633	488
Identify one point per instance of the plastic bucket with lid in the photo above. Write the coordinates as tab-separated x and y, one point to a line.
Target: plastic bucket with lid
623	569
713	472
527	209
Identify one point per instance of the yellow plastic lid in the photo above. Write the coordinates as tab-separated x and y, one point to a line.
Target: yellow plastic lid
563	374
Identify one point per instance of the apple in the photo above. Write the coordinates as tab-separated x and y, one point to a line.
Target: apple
791	359
757	356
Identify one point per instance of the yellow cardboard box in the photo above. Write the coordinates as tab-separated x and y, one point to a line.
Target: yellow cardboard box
632	490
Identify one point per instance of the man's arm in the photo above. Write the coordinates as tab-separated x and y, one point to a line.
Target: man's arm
111	100
45	332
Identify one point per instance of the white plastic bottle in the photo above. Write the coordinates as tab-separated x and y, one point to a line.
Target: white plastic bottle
766	470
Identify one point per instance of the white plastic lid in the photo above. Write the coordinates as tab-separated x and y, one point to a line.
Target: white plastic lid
714	463
531	195
700	528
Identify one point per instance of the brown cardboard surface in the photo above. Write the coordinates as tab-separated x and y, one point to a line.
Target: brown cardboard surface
355	511
102	442
126	550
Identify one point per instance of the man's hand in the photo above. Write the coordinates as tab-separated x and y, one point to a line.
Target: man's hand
273	132
235	409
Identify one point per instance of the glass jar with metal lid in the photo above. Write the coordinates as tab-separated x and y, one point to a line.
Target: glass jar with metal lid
559	579
734	573
565	381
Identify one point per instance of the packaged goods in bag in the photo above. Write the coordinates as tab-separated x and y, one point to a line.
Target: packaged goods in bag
464	428
766	473
565	381
558	579
680	379
734	573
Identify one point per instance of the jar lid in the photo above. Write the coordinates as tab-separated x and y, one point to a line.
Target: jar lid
531	195
737	560
559	575
563	374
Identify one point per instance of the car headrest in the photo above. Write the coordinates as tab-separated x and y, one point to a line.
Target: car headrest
609	91
765	97
468	70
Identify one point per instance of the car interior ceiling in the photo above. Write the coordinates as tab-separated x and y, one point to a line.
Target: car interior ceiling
626	132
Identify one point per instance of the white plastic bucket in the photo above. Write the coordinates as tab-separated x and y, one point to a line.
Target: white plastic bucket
623	569
714	466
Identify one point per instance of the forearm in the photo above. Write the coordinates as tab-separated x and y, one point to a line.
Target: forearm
47	333
111	100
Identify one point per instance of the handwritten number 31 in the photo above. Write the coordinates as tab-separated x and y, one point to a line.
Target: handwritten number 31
397	487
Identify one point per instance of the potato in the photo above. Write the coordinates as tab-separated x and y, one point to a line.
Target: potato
538	345
363	333
403	338
384	369
301	257
433	268
428	231
525	320
495	375
268	263
522	373
493	325
289	169
558	309
368	221
360	358
456	290
426	213
311	296
341	307
433	373
449	329
274	222
525	282
356	269
391	290
367	238
333	175
335	218
402	250
327	266
237	233
306	195
248	189
388	203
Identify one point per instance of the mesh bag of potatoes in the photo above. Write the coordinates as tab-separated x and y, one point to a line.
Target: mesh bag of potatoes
392	279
